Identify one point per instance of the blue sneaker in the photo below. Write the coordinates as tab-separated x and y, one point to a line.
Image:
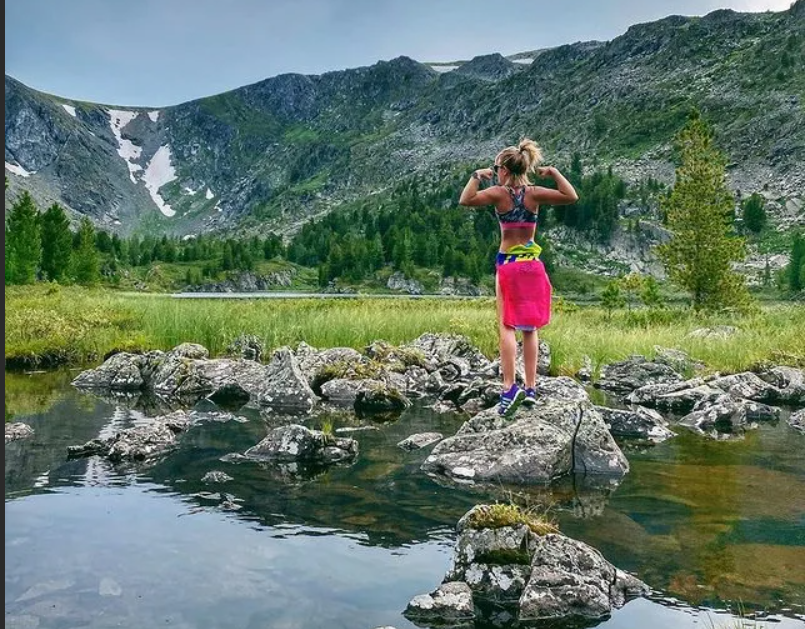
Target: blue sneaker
530	397
510	400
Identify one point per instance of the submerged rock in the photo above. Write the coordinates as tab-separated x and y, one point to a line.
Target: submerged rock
18	430
146	441
216	476
138	443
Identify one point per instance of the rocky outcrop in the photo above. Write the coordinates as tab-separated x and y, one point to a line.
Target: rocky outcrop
526	569
562	433
247	282
398	282
186	372
298	443
18	430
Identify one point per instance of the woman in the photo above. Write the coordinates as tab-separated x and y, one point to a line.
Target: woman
521	286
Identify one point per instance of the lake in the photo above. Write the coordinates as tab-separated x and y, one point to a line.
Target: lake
708	525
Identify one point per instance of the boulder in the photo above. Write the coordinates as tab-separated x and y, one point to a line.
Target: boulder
726	414
380	399
638	422
284	388
438	348
562	433
420	440
18	430
298	443
120	372
344	392
139	443
789	383
679	397
216	476
635	372
746	385
797	421
526	571
450	604
570	579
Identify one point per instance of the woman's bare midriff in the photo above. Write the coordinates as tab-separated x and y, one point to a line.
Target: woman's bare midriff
515	236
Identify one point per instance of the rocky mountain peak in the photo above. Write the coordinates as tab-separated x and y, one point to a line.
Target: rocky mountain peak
494	67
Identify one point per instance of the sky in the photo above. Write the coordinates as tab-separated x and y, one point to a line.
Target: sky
164	52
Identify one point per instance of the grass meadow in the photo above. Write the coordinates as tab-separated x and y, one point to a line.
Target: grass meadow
51	325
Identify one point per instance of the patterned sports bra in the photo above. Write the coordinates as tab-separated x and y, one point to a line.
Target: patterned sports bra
519	215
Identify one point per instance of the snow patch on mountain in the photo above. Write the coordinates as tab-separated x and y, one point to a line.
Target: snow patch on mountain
18	170
159	172
209	194
154	115
129	151
69	109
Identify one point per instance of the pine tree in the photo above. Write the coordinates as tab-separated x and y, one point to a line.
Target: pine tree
699	212
754	214
650	295
797	261
85	256
57	244
611	297
24	241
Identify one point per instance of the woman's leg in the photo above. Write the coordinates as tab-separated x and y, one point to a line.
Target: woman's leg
508	343
530	356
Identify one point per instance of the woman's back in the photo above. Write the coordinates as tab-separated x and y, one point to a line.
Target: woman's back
517	216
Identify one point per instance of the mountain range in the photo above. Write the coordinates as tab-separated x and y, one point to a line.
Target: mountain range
271	155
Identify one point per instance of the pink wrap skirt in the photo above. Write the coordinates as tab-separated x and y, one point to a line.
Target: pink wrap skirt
525	291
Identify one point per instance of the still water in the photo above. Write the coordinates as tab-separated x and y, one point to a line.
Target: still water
708	525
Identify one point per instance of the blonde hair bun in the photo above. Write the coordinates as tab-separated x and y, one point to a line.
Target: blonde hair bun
531	152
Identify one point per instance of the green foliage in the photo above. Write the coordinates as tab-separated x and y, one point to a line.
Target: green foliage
73	324
498	515
631	285
57	244
754	214
612	298
699	212
596	211
23	241
650	294
86	266
796	264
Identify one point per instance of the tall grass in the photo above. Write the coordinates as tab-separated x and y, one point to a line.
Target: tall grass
76	325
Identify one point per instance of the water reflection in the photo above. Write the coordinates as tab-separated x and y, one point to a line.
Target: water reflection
705	522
